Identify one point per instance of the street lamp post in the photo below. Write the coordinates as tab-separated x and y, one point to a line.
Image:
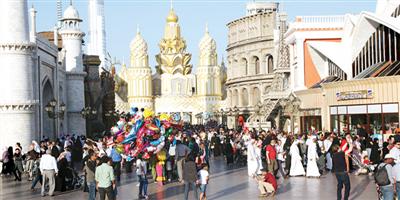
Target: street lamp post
111	116
89	112
55	112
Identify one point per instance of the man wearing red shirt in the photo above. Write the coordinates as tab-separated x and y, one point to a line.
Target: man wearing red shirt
267	183
271	157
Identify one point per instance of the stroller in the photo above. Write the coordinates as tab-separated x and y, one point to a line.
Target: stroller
241	155
362	168
73	180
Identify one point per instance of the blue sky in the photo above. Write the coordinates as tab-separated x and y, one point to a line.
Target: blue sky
122	17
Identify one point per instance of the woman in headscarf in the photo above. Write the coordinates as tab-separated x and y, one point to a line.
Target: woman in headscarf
18	164
296	166
11	164
375	156
312	157
228	151
252	159
4	160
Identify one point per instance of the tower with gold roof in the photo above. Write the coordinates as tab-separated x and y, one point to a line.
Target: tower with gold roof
139	73
173	88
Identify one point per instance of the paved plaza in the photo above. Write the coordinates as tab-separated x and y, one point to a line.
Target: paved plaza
225	183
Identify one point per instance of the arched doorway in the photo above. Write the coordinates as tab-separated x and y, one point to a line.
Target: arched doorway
256	96
244	64
235	98
245	97
256	62
48	123
270	64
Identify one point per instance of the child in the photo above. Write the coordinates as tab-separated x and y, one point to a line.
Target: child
204	176
266	183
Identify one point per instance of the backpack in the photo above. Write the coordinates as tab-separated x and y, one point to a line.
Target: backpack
381	176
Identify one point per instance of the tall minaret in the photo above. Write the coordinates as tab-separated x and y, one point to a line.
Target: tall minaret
97	31
208	74
139	74
72	43
17	100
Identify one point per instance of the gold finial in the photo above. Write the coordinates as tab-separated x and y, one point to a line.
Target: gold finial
172	17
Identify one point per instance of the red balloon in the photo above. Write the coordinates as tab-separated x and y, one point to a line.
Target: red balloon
120	138
126	147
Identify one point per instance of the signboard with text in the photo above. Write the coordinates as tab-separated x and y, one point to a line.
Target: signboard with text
352	95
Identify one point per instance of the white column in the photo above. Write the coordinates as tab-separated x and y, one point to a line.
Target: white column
32	33
17	99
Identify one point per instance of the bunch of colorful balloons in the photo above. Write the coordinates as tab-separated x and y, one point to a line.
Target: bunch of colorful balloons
144	133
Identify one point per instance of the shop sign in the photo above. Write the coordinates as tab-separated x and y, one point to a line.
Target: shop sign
352	95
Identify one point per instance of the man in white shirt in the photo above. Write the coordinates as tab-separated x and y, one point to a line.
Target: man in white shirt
395	152
48	168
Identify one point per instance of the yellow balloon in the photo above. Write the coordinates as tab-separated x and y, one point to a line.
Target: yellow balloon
162	155
148	113
164	117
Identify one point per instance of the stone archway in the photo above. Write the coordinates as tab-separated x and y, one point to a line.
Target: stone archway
245	97
47	123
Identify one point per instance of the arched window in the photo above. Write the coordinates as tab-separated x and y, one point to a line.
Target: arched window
245	97
244	64
270	64
257	64
256	96
235	98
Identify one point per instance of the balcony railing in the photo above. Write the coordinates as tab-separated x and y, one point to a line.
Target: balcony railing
321	19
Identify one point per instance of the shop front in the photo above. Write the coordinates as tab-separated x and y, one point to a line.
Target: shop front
373	118
310	120
343	107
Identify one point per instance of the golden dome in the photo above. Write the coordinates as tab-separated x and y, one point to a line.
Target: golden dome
172	17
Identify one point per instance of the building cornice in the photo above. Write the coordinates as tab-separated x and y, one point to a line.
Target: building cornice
248	79
365	81
18	47
18	106
250	41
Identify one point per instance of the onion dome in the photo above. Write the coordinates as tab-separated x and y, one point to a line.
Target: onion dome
172	17
207	43
71	13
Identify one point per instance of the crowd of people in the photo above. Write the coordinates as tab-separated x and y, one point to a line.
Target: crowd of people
268	155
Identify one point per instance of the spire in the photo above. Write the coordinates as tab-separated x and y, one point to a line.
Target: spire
137	29
171	6
70	2
206	27
59	13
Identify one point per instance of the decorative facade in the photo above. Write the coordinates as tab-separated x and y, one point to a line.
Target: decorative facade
173	87
346	70
258	71
39	68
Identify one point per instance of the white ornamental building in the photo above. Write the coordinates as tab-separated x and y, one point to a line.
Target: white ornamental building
72	43
172	88
36	73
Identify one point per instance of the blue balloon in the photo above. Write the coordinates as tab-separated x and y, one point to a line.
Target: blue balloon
138	125
132	131
158	141
129	139
157	122
133	110
174	142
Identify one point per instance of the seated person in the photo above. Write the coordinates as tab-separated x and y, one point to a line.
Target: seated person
266	183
